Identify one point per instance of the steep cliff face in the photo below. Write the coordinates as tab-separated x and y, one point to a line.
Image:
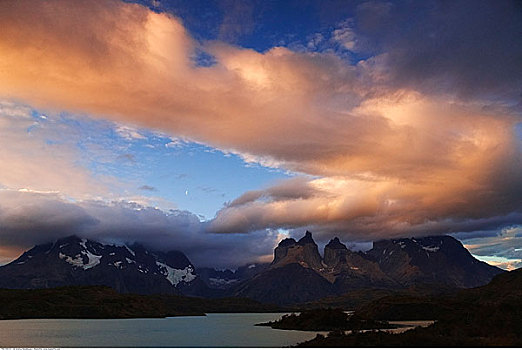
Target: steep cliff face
281	251
349	270
335	253
299	274
303	252
295	275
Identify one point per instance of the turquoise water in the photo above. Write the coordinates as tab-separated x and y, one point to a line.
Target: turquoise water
213	330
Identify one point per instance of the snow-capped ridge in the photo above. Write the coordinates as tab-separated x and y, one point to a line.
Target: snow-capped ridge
166	269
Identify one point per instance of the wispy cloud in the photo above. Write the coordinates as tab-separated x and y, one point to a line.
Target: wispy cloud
129	133
500	247
40	156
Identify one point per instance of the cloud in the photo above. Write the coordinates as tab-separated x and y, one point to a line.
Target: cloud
344	35
308	112
362	210
33	218
38	155
71	156
419	138
129	133
471	48
459	159
175	143
147	188
499	247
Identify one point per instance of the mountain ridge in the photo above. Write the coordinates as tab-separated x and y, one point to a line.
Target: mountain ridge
298	273
78	261
440	261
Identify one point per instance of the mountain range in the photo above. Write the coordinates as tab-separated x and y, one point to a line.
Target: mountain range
78	261
297	274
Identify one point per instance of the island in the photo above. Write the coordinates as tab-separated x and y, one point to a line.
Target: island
325	320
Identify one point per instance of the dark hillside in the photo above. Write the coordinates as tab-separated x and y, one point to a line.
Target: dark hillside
104	302
484	316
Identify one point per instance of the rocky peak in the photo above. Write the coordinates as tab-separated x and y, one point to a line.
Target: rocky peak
281	250
303	252
335	252
307	239
287	242
335	243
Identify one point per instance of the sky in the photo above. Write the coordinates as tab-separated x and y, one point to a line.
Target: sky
219	128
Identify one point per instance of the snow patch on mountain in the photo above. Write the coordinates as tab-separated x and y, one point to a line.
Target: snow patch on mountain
431	249
93	260
76	261
222	281
130	250
83	243
174	276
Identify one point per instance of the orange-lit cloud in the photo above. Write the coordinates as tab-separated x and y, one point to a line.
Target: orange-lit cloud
389	159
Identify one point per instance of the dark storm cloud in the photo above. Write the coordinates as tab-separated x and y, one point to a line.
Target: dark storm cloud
27	219
32	218
470	47
295	188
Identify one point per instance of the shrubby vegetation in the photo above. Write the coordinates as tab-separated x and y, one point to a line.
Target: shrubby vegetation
104	302
325	320
486	316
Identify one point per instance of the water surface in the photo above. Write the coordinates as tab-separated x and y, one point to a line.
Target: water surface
213	330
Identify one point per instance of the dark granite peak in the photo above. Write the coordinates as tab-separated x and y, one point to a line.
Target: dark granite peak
307	239
335	243
287	242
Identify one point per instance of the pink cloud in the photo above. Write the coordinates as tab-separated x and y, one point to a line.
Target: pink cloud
387	158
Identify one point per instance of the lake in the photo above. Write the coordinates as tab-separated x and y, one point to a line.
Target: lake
213	330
